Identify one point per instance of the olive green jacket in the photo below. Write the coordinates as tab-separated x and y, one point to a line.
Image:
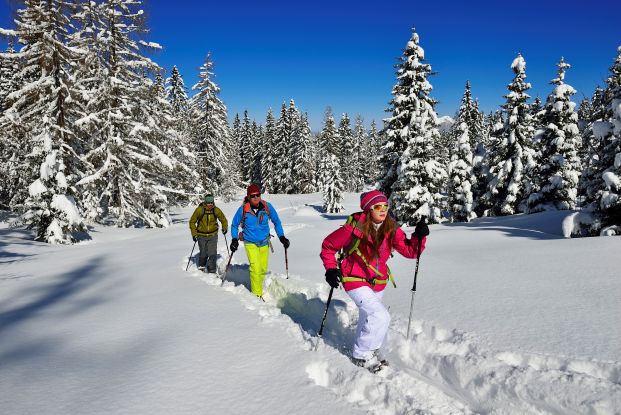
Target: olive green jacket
208	224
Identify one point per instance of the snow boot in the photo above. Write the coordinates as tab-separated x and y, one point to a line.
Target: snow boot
381	359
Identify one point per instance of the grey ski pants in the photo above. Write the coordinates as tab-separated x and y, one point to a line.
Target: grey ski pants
208	246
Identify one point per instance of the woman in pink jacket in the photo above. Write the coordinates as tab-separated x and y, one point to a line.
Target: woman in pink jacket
366	244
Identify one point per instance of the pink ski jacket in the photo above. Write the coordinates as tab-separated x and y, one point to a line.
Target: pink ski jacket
354	266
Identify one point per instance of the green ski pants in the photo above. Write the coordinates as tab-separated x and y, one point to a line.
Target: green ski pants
257	258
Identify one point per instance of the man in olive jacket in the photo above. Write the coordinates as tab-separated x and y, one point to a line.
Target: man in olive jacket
204	227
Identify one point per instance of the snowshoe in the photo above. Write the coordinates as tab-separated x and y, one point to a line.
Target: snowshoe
373	365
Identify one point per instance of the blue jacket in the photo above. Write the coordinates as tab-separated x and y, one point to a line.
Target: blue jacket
256	228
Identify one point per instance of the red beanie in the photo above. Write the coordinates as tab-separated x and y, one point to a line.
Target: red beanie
371	198
252	189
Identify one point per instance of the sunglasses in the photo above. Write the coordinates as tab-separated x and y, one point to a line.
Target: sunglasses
252	196
380	207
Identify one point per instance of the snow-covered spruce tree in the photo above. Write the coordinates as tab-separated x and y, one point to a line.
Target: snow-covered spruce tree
43	113
556	176
589	183
245	148
295	149
304	172
8	68
585	112
9	143
333	186
327	144
413	176
280	151
372	171
176	93
183	184
461	179
267	166
361	155
211	141
126	181
607	130
511	153
347	149
256	132
479	168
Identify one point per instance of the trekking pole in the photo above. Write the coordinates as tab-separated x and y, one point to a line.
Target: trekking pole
190	258
420	242
227	268
287	263
323	320
227	245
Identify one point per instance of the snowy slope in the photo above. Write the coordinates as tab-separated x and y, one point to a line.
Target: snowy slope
509	317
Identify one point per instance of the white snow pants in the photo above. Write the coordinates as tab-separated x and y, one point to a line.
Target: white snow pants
373	321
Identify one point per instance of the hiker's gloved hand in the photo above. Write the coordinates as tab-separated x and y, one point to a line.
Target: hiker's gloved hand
234	244
333	277
285	242
421	229
195	238
224	231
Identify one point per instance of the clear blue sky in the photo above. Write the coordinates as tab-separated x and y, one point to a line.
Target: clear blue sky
341	53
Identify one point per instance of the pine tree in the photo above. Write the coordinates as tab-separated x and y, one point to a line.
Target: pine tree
267	166
327	145
280	151
246	150
295	149
556	177
460	203
607	130
333	186
212	141
176	93
304	173
347	155
10	178
374	150
414	176
43	113
480	169
511	152
360	156
256	134
128	167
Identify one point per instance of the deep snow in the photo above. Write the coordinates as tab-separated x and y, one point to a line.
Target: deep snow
509	317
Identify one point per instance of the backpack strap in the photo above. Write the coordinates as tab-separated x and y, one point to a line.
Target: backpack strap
353	248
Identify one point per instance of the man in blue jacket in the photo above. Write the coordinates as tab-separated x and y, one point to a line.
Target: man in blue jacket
254	216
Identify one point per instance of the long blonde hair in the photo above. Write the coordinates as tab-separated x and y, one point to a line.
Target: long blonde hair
388	227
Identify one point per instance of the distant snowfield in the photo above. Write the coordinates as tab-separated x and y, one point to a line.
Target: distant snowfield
509	318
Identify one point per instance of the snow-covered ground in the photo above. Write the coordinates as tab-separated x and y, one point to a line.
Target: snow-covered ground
509	318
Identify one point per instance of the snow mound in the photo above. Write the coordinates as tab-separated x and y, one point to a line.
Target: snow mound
306	211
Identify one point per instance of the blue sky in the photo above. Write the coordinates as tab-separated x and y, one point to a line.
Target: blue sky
341	53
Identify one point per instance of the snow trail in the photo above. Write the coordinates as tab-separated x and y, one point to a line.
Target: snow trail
438	372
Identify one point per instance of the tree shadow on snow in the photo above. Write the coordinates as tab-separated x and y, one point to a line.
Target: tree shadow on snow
48	296
329	216
515	232
14	237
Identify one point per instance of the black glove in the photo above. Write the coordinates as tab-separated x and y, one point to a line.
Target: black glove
333	277
234	244
224	231
195	238
285	242
421	229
